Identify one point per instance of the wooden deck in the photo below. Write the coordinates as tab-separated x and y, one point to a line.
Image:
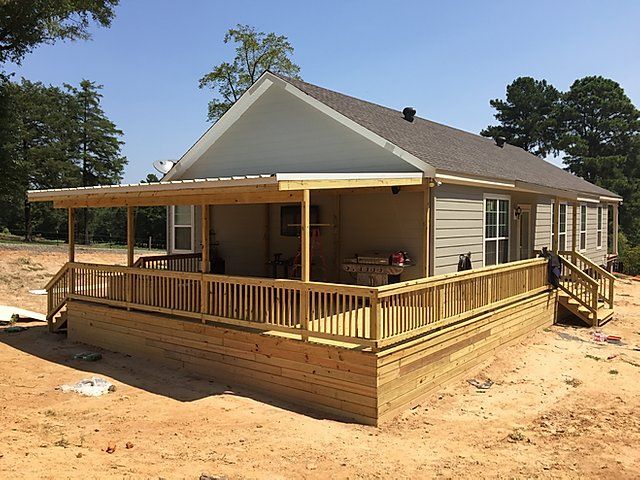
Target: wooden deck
362	353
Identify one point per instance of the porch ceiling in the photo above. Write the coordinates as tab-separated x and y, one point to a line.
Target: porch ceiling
246	189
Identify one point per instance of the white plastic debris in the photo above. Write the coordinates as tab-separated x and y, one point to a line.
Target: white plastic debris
90	387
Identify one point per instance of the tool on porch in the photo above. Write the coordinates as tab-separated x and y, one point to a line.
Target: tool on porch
315	252
375	268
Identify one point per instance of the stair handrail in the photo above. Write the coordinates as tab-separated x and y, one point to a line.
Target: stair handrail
53	308
605	279
588	296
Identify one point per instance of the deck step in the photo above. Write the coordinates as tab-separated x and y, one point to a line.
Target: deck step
60	322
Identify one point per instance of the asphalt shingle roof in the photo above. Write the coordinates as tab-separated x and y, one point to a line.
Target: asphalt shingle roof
449	149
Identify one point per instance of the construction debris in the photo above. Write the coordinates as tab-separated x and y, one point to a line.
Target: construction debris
90	387
486	385
88	356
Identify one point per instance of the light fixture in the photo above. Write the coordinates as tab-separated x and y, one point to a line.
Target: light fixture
517	212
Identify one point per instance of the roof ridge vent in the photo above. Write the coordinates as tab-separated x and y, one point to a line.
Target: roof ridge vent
500	141
409	113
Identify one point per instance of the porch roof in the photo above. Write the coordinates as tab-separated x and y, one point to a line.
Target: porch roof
245	189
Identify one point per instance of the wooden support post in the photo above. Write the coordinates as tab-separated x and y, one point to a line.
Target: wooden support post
131	235
574	228
426	252
205	266
267	239
615	228
305	235
72	234
556	223
337	236
71	221
374	318
305	263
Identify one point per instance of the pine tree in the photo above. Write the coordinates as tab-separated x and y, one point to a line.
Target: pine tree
96	144
528	117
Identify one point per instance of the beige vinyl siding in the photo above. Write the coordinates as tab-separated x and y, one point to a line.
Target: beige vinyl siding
280	133
458	213
543	224
592	252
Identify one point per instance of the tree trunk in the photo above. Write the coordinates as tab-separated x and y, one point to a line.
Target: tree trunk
28	228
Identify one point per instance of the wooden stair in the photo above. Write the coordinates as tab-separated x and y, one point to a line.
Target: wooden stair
59	323
583	313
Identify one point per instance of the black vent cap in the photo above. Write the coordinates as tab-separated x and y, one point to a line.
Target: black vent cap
409	113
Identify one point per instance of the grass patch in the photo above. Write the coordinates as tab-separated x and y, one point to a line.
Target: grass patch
593	357
613	372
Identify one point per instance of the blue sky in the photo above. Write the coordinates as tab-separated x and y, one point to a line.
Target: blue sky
445	58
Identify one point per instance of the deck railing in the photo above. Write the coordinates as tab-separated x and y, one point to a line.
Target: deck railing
422	305
367	316
177	262
604	279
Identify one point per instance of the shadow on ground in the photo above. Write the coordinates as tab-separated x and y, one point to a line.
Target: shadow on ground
148	375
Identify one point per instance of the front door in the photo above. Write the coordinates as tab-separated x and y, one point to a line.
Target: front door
524	232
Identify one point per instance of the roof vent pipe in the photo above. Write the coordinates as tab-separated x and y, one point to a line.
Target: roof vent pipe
500	141
409	113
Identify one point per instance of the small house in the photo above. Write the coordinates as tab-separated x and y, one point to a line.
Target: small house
341	255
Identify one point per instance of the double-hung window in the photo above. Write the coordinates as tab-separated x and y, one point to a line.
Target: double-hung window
182	216
599	244
562	227
496	230
583	227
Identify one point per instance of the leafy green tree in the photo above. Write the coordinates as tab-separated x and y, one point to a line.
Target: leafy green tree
256	52
25	24
151	222
528	117
95	145
34	151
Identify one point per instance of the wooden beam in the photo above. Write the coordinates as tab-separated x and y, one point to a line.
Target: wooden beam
556	223
178	199
267	239
426	231
131	235
305	236
616	228
323	184
71	225
205	266
574	227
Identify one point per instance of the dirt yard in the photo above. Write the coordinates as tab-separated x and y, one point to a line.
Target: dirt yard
562	406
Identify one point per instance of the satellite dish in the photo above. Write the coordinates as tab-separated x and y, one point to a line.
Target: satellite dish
163	166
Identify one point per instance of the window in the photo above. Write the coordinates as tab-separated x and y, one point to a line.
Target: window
496	231
599	244
183	228
583	227
562	228
553	222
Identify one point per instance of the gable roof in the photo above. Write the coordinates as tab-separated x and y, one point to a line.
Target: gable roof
449	149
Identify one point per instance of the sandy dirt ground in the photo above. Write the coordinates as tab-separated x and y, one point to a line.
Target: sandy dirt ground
562	406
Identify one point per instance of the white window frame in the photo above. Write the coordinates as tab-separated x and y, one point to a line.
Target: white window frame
496	196
582	231
562	234
599	231
172	211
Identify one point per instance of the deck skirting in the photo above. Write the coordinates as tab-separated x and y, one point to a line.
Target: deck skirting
350	384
